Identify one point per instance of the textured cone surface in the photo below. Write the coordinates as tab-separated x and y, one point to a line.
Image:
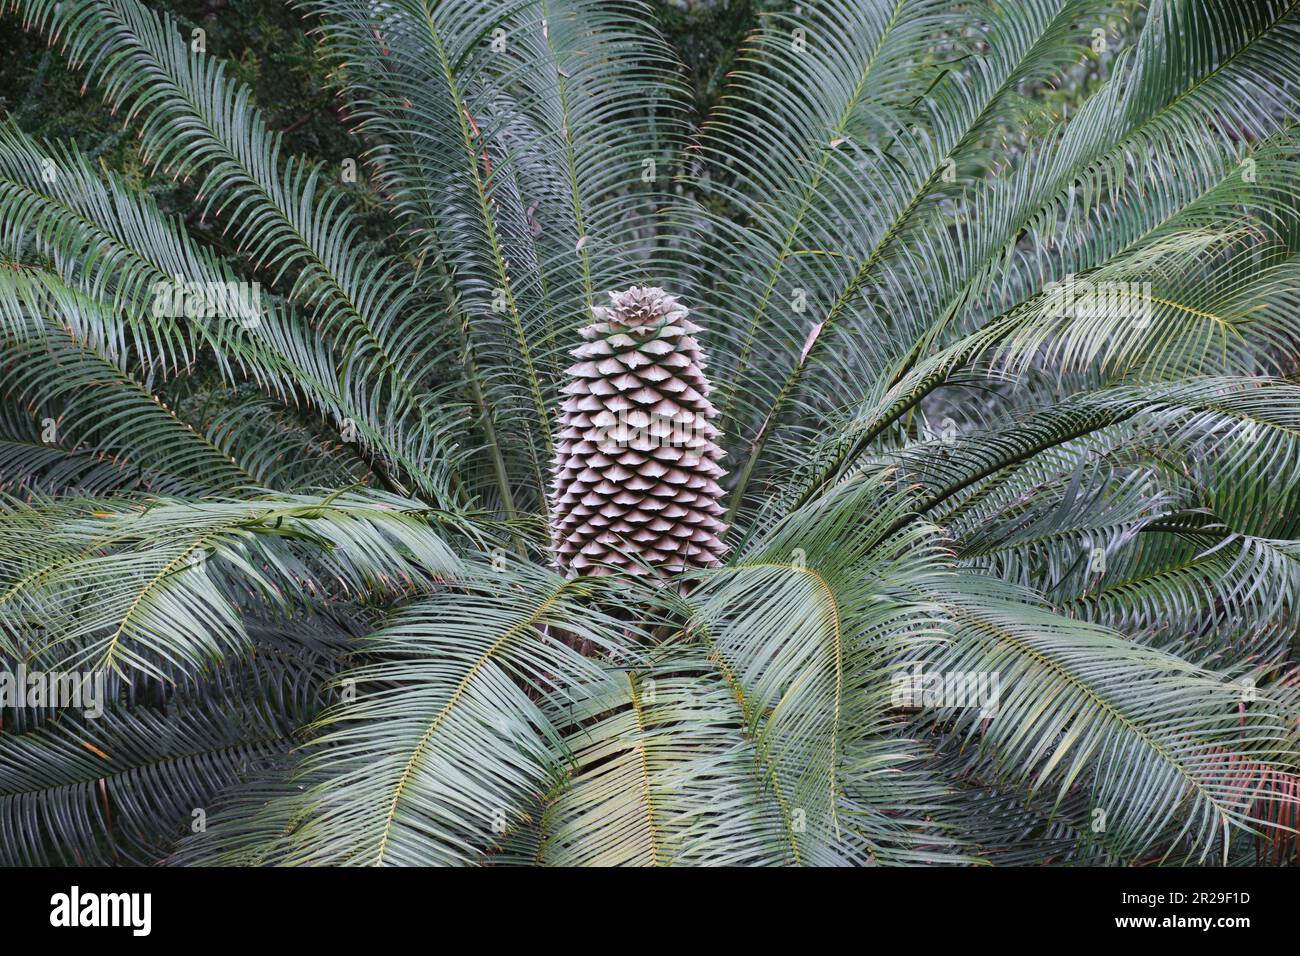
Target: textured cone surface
636	468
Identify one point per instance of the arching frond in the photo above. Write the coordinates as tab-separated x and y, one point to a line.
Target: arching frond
195	120
148	584
441	745
1150	730
517	144
665	772
156	294
803	628
120	783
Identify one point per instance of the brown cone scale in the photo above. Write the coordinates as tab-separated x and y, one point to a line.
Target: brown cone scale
635	480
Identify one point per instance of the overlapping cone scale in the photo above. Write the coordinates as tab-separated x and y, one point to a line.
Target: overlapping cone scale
635	479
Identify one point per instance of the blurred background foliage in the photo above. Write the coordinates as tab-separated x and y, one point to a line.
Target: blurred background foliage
268	47
263	41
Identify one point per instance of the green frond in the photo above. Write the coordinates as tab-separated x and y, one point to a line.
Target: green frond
664	773
148	584
122	785
1150	733
526	163
112	245
803	627
284	213
63	371
441	744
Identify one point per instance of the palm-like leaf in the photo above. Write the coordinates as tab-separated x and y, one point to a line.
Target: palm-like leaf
122	786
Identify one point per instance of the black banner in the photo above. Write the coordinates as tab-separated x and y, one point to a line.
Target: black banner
335	907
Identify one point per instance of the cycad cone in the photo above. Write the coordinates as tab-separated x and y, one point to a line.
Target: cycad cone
636	468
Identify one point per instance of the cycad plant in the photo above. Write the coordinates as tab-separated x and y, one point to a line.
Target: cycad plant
925	492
